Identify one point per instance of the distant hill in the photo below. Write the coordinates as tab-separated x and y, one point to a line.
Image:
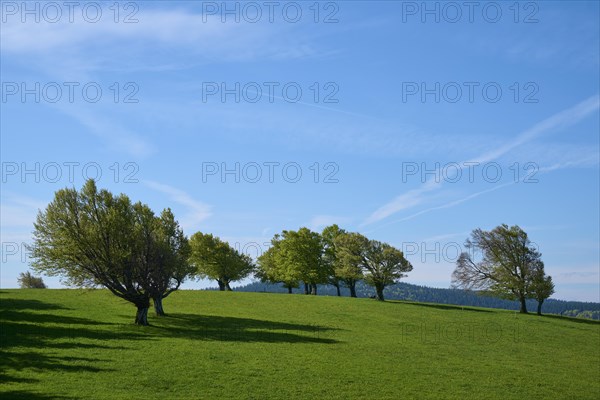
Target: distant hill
409	292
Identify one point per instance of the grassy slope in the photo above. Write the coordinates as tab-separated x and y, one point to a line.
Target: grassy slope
81	344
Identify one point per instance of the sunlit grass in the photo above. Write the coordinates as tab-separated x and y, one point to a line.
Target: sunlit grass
76	344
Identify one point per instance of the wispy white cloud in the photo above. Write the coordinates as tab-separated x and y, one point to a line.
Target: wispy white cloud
556	122
197	211
553	42
342	131
405	201
165	27
19	211
559	151
565	275
82	51
445	236
319	222
583	162
453	203
417	196
105	125
551	168
105	44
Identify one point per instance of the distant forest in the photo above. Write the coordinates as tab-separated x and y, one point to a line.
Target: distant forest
408	292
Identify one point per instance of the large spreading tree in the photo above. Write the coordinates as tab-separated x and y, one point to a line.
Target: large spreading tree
93	238
212	258
501	262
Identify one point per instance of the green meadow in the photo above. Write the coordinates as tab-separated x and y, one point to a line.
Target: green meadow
76	344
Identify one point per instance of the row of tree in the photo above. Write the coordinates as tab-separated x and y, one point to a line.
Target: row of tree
334	257
93	238
502	263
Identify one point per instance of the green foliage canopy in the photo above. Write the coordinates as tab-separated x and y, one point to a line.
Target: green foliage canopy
212	258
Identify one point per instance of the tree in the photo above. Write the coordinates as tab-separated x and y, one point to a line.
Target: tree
295	256
166	251
89	238
505	269
381	264
28	281
329	235
300	253
215	259
541	287
268	271
348	265
385	265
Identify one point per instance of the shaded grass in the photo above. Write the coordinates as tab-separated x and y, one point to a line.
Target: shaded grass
74	344
217	328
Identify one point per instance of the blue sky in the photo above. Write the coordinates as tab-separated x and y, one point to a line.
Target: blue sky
411	127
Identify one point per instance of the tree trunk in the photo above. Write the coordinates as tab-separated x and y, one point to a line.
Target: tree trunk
221	285
313	289
158	307
227	287
337	288
289	289
352	289
539	310
141	317
523	309
379	290
306	288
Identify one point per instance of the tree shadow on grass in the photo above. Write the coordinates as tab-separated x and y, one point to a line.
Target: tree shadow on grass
28	338
26	395
39	318
19	361
441	306
27	304
234	329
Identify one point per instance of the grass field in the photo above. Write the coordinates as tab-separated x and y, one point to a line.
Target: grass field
77	344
